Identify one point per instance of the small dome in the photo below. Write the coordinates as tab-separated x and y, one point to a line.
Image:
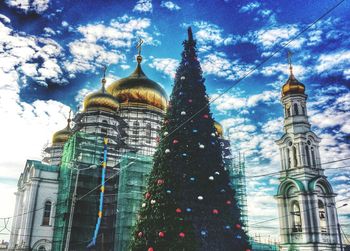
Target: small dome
292	86
101	100
219	128
63	135
138	88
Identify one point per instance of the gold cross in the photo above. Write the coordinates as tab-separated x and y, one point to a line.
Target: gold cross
104	71
138	46
289	56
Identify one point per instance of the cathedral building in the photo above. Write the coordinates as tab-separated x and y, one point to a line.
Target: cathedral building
128	113
61	203
306	201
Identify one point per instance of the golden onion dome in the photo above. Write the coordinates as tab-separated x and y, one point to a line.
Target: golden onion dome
101	100
138	88
292	86
63	135
219	128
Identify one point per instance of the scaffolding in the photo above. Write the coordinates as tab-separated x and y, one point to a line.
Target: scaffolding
133	176
238	181
82	151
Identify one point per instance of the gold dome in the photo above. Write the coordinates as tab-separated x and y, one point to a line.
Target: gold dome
292	86
63	135
138	88
219	128
101	100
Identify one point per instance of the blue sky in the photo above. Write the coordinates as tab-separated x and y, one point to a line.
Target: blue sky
52	53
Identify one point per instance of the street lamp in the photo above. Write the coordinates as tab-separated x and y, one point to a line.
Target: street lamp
74	199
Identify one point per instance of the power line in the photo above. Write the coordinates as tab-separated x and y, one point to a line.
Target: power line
256	67
284	216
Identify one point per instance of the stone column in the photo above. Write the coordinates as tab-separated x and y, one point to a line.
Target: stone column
30	212
16	221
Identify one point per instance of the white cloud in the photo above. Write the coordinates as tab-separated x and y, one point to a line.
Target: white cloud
211	34
249	7
102	44
143	6
334	62
228	102
22	51
5	19
38	6
166	65
170	5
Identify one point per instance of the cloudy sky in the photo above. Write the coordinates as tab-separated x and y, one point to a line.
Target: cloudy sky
52	52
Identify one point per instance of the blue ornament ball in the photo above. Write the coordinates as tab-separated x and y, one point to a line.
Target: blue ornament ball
222	190
238	237
195	130
188	210
227	227
192	179
168	191
204	232
184	154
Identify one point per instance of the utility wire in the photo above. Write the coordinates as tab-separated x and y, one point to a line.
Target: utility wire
284	216
257	67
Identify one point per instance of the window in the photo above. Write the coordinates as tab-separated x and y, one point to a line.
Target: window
296	217
288	112
288	158
303	110
41	248
307	155
47	213
313	157
322	216
295	156
296	111
104	131
105	121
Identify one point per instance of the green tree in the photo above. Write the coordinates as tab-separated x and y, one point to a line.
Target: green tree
189	204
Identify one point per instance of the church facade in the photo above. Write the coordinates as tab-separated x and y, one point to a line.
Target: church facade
129	113
306	201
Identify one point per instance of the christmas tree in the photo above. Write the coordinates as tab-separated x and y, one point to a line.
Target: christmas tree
189	204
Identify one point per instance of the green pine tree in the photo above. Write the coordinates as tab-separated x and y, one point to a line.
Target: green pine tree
189	204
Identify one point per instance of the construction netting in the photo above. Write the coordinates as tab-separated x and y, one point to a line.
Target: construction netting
82	151
133	176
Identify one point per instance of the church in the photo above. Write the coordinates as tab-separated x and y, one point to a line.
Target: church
58	201
306	202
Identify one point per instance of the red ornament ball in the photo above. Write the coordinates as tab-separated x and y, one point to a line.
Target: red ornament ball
228	202
182	235
215	211
205	116
190	101
150	249
160	182
161	234
175	141
147	195
238	226
140	234
178	210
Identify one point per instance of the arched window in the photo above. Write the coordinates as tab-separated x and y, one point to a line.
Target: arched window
296	111
303	110
313	157
288	112
105	121
307	156
322	216
41	248
296	217
148	133
295	156
47	213
288	158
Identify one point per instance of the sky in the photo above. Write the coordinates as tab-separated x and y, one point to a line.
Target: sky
52	53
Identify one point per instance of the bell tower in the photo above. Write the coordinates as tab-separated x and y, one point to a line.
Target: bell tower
306	201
